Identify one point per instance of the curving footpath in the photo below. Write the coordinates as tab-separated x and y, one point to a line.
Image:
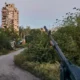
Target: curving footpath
9	71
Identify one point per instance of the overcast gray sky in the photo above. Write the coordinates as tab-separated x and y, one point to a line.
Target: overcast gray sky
37	13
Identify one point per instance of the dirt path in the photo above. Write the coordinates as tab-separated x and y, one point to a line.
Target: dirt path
9	71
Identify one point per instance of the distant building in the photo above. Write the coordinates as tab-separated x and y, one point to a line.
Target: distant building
10	17
42	30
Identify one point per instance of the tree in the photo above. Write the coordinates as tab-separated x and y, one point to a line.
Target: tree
4	40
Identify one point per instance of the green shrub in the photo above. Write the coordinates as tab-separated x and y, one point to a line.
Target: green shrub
4	41
46	71
19	59
4	51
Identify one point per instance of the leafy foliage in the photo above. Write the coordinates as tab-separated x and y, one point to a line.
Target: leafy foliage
39	48
66	38
4	41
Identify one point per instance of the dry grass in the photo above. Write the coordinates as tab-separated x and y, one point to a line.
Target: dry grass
45	71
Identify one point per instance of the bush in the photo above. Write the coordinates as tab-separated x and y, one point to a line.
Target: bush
66	38
4	51
46	71
5	45
4	41
19	59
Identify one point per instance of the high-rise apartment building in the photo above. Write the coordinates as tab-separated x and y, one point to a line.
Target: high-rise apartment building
10	17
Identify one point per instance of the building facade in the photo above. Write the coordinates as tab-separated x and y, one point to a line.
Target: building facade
10	17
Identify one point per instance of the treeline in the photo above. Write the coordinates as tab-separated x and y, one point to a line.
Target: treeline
41	59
